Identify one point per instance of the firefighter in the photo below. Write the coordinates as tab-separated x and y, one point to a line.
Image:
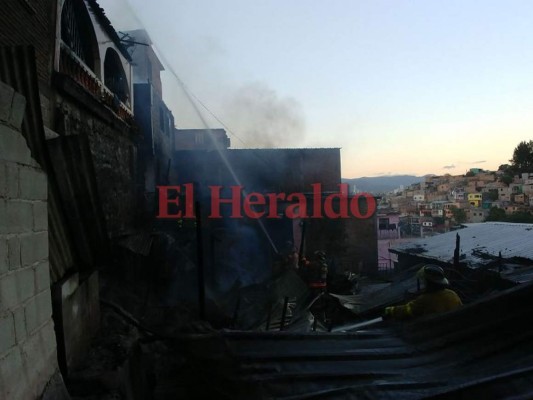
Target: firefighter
436	298
317	271
291	259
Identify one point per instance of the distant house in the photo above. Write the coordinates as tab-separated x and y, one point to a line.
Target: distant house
521	198
476	214
388	225
458	193
527	178
504	194
512	208
443	187
418	197
474	199
528	188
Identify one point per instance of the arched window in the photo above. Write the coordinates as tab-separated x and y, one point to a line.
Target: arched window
77	32
114	76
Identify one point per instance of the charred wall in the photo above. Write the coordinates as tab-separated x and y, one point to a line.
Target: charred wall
264	170
350	242
112	147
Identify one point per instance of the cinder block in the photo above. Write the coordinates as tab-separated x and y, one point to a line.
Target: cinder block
4	256
38	311
33	184
12	180
7	333
39	358
18	108
3	217
13	245
48	337
13	146
25	284
6	99
20	324
42	277
3	179
13	374
37	351
8	292
30	316
33	248
8	180
19	216
40	216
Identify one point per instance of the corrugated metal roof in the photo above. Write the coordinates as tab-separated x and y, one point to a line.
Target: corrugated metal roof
478	242
482	351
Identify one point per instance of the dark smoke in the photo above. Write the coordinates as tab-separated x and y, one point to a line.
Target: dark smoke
262	119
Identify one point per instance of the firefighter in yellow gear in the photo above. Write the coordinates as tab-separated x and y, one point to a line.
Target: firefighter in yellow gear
437	298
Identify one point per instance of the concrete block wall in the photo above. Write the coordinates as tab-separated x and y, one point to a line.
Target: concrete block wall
113	153
28	358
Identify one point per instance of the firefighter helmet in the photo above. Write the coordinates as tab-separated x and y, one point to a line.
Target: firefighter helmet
433	273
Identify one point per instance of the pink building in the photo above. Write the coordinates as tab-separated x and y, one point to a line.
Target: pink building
388	230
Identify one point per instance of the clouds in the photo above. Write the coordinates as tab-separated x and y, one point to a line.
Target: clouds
453	166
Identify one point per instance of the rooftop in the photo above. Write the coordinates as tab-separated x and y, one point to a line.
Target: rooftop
479	242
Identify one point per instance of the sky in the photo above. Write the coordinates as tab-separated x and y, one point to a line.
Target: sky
401	86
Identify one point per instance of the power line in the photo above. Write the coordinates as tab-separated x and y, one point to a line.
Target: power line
188	93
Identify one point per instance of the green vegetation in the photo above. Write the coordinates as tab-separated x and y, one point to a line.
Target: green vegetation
459	215
522	160
498	214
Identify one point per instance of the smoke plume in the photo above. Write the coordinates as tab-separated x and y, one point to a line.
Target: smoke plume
263	119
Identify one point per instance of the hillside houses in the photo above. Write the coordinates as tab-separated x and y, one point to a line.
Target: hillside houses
445	201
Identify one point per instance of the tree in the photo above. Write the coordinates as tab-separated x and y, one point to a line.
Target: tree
507	179
521	217
505	168
459	215
496	214
493	194
522	160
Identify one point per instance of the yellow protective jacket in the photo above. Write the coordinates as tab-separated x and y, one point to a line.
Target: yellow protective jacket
425	304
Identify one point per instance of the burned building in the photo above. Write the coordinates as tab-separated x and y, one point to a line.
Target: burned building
201	139
309	174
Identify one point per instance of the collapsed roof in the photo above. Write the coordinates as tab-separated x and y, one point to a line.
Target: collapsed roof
484	350
479	242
